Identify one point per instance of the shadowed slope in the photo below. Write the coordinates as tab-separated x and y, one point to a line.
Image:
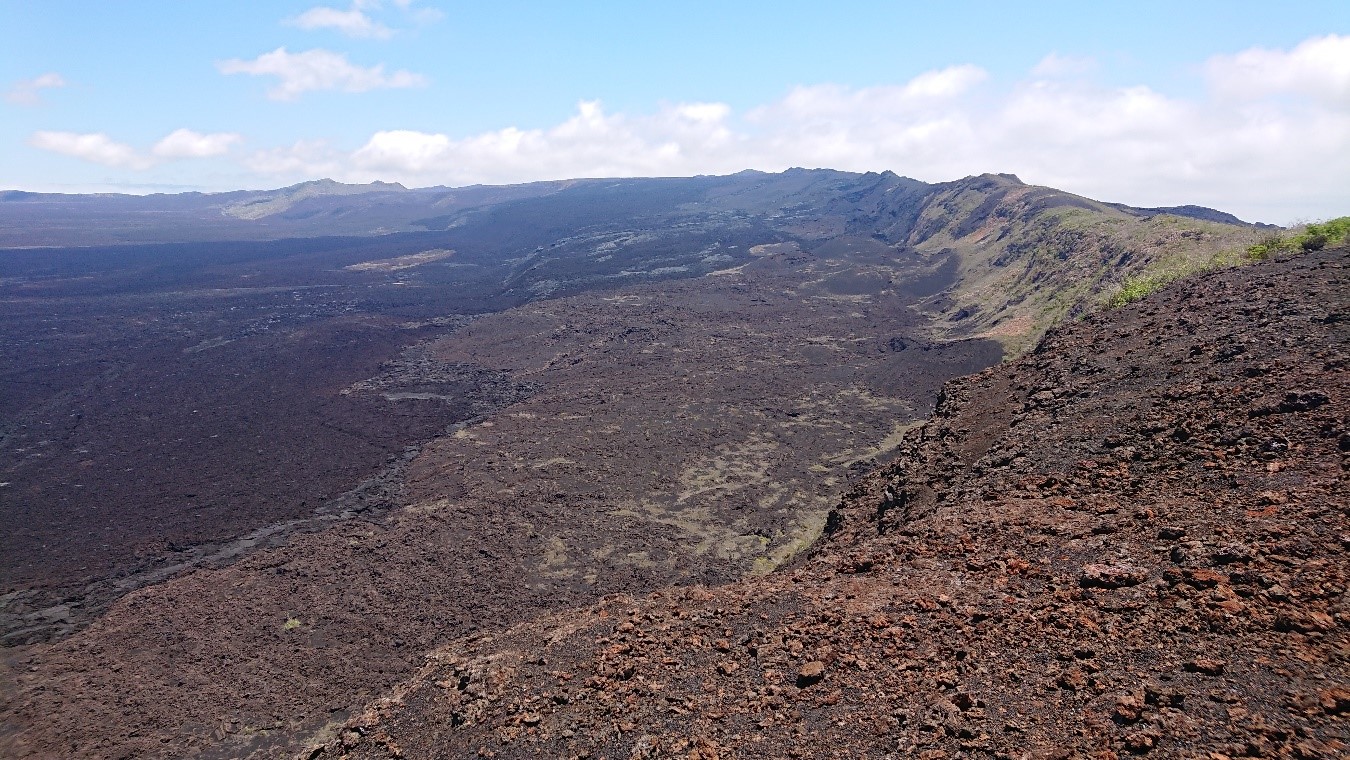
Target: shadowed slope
1133	540
647	382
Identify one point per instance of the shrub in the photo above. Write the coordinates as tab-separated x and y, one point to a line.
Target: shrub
1270	245
1331	232
1313	242
1314	237
1135	288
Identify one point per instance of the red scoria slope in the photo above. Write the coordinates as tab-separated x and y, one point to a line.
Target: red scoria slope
1133	541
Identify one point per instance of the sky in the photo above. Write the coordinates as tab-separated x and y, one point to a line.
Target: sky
1241	106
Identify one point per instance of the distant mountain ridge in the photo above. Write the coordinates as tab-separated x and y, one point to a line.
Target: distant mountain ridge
326	207
283	199
268	453
1023	256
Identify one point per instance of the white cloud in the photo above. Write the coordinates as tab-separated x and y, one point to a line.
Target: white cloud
403	150
185	143
28	92
353	23
590	143
98	148
944	83
929	91
359	20
304	158
317	70
1267	137
95	147
1317	67
1128	144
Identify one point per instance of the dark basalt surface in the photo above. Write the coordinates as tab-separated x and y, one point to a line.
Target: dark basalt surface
248	486
1132	542
161	402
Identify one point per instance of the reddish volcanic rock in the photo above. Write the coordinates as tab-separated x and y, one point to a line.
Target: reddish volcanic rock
1132	541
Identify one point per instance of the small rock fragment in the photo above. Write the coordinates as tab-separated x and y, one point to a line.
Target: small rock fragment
1202	578
1141	742
1163	696
810	673
1231	554
1335	701
1129	708
1112	576
1206	665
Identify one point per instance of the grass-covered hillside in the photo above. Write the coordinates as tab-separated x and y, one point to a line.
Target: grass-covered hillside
1032	256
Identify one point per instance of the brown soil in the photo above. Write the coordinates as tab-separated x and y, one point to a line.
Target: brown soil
172	406
686	432
1133	541
231	462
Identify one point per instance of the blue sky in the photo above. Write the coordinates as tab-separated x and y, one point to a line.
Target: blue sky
1244	106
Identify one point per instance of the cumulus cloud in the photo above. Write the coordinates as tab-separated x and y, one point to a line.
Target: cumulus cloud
926	93
403	150
95	147
359	20
98	148
317	70
304	158
944	83
590	143
28	92
1317	67
1267	136
353	22
1246	150
185	143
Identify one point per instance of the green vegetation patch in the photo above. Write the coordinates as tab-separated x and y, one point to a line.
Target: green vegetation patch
1313	237
1135	288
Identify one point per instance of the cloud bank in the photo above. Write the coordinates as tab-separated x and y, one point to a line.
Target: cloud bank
98	148
184	143
298	73
1318	68
1267	136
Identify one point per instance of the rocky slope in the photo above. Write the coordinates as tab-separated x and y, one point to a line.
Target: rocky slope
681	432
1028	257
1132	541
550	394
202	390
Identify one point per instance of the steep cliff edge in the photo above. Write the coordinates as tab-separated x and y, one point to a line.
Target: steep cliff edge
1030	257
1133	540
689	375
